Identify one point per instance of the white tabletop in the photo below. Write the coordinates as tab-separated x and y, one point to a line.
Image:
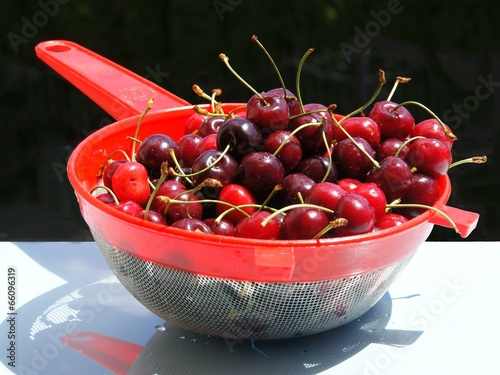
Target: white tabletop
439	317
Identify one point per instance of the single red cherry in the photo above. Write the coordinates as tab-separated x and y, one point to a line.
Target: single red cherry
349	184
316	167
130	182
223	227
155	150
169	188
303	223
363	127
211	125
251	227
128	207
241	135
290	149
375	196
109	170
390	220
424	191
326	194
390	147
207	143
351	161
393	121
358	212
235	195
293	185
187	146
261	171
193	123
429	156
268	111
394	177
431	128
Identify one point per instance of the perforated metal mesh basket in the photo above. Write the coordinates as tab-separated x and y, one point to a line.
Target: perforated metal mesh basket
244	309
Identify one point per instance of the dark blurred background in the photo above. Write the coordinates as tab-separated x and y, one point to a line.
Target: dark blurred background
449	49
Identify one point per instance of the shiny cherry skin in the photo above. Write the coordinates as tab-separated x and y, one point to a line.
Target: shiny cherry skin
303	223
225	170
292	185
363	127
291	152
390	147
130	182
311	137
241	135
261	171
179	210
394	177
192	225
390	220
207	143
375	196
429	156
393	123
170	189
251	227
424	190
151	216
290	97
155	149
349	184
127	207
187	146
109	170
431	128
351	161
316	167
223	227
325	194
193	122
270	113
358	212
211	125
235	195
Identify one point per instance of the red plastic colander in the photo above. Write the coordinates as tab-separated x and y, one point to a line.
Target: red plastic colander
224	286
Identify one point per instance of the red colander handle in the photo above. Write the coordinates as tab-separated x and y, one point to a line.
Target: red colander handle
118	91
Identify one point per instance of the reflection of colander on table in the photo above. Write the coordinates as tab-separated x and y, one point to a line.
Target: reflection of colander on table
224	286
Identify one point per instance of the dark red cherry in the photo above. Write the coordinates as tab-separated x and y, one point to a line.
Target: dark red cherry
431	128
424	190
169	188
291	152
151	216
106	198
155	150
128	207
358	212
241	135
394	177
325	194
271	112
363	127
260	172
214	164
251	227
390	147
429	156
291	99
303	223
316	167
223	227
291	186
207	143
351	161
393	123
192	225
187	146
390	220
180	210
109	170
210	125
375	196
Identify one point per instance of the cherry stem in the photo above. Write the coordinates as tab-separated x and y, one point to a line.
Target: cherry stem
109	160
276	188
338	222
374	162
136	134
398	81
381	82
225	59
297	78
432	208
291	207
163	177
213	103
406	142
330	160
447	132
254	39
180	172
472	160
115	198
207	167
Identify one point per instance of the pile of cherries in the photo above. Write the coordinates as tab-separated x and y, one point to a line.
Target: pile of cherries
280	169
